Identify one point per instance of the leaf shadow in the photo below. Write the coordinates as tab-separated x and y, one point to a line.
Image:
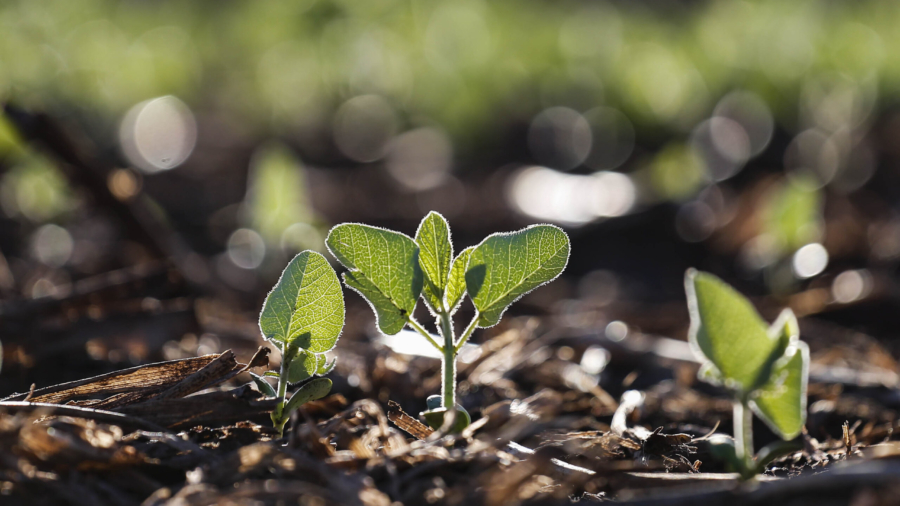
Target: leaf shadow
475	279
303	341
418	280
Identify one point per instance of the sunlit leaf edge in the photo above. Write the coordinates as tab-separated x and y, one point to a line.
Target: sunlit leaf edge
502	234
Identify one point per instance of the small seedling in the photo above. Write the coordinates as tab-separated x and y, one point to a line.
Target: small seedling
764	367
392	271
303	315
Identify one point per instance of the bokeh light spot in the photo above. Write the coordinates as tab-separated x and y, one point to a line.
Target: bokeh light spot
695	221
814	156
158	134
810	260
560	137
363	127
52	245
613	138
616	331
752	114
246	248
124	183
548	194
420	159
850	286
600	287
724	146
594	359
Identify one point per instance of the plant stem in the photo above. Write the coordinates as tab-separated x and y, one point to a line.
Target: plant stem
278	418
283	373
448	389
421	330
468	332
743	432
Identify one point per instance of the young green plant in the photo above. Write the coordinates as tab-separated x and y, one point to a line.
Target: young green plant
303	316
764	367
392	271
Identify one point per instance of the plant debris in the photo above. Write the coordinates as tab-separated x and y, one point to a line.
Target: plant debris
127	397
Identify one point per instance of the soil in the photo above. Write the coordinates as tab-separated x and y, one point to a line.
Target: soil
129	384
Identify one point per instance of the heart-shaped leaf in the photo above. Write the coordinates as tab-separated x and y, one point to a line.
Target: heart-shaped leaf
306	307
456	286
389	317
506	266
727	332
781	402
435	256
384	269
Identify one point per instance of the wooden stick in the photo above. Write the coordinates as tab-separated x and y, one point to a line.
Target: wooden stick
81	412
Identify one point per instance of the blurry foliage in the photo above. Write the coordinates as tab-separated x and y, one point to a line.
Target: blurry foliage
677	172
630	86
35	188
792	214
453	62
278	202
10	143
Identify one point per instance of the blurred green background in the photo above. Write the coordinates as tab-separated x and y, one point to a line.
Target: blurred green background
253	126
465	65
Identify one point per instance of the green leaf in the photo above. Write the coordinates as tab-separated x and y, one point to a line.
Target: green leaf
456	286
435	255
315	389
263	386
306	307
781	402
325	367
728	332
304	365
389	317
506	266
785	332
384	269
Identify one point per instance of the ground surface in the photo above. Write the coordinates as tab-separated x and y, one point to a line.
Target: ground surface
565	393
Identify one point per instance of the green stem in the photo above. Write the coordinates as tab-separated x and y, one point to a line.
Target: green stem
421	330
278	418
743	433
283	373
448	389
468	332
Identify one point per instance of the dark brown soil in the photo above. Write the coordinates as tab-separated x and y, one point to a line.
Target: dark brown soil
101	426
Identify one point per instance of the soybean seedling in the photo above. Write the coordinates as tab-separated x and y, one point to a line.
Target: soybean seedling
392	271
303	316
765	368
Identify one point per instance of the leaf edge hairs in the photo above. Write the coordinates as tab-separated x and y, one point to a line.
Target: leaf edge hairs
722	318
374	278
302	339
